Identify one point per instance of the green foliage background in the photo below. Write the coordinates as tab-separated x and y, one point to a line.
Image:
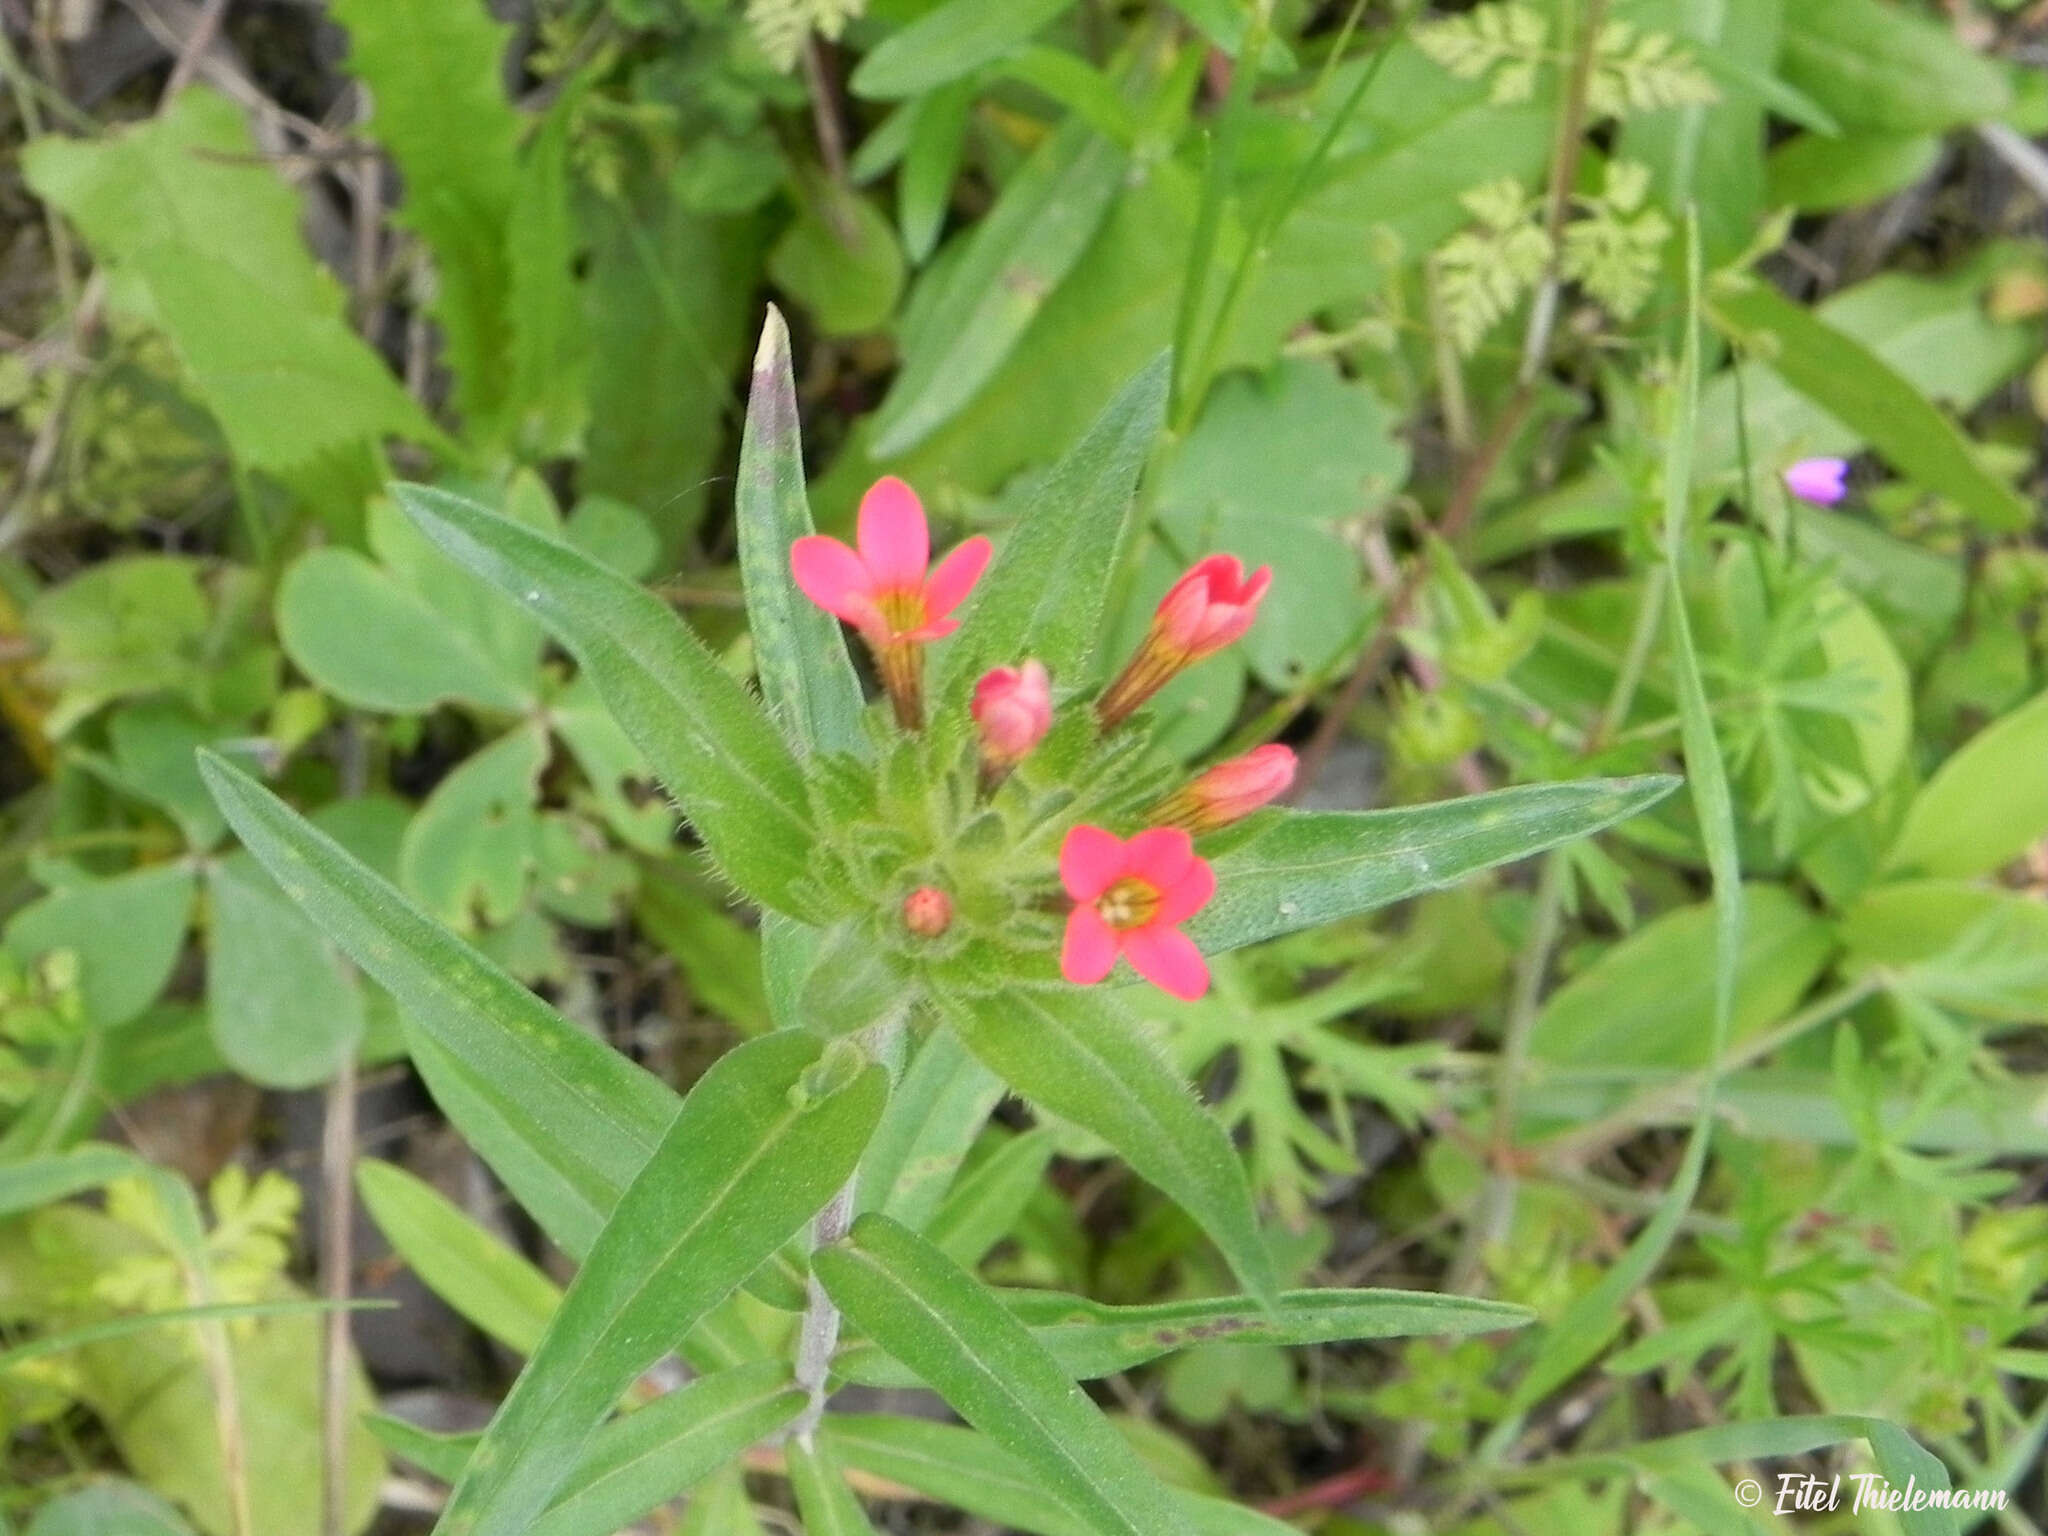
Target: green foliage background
1491	328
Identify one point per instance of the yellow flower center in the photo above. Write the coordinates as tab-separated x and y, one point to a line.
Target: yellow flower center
902	610
1130	903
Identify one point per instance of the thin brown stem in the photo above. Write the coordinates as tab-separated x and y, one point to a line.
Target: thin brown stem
337	1264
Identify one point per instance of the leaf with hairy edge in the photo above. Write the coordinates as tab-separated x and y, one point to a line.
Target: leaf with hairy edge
828	1506
948	1328
584	1113
1046	592
752	1155
960	1467
1091	1340
799	649
1288	870
709	742
1080	1055
641	1460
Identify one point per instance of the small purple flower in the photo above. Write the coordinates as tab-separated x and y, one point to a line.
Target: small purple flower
1820	481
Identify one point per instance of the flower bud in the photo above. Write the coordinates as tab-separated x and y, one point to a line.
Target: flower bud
927	911
1820	481
1012	709
1230	791
1208	609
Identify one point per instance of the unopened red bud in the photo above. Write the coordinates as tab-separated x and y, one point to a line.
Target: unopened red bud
1208	609
1230	791
927	911
1012	710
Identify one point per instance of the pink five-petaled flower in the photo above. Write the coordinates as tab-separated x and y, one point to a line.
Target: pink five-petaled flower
885	589
1207	609
1012	711
1128	899
1230	791
1820	481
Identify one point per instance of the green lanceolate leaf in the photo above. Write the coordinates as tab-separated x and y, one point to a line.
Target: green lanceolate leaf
1092	1340
1290	870
1595	1315
828	1506
949	1329
752	1155
550	1093
638	1461
1080	1055
1856	387
947	42
37	1181
438	105
1018	255
1046	593
936	1110
1986	804
962	1468
473	1271
641	1461
799	650
711	744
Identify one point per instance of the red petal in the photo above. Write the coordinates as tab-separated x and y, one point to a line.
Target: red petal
1188	895
1091	861
1168	959
1160	857
895	540
1089	953
956	576
832	576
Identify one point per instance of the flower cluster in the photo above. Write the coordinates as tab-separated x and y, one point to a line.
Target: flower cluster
1129	896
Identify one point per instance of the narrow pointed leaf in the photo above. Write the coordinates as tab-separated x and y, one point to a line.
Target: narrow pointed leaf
1046	593
37	1181
1289	870
1594	1316
472	1270
799	649
960	1467
1091	1340
559	1100
828	1506
949	1329
1859	389
748	1160
935	1112
709	742
1079	1055
642	1459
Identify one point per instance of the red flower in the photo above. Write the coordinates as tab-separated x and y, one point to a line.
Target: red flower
885	589
1128	899
1013	709
1207	609
1229	791
1211	606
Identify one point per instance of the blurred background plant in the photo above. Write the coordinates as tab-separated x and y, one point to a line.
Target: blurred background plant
1422	269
